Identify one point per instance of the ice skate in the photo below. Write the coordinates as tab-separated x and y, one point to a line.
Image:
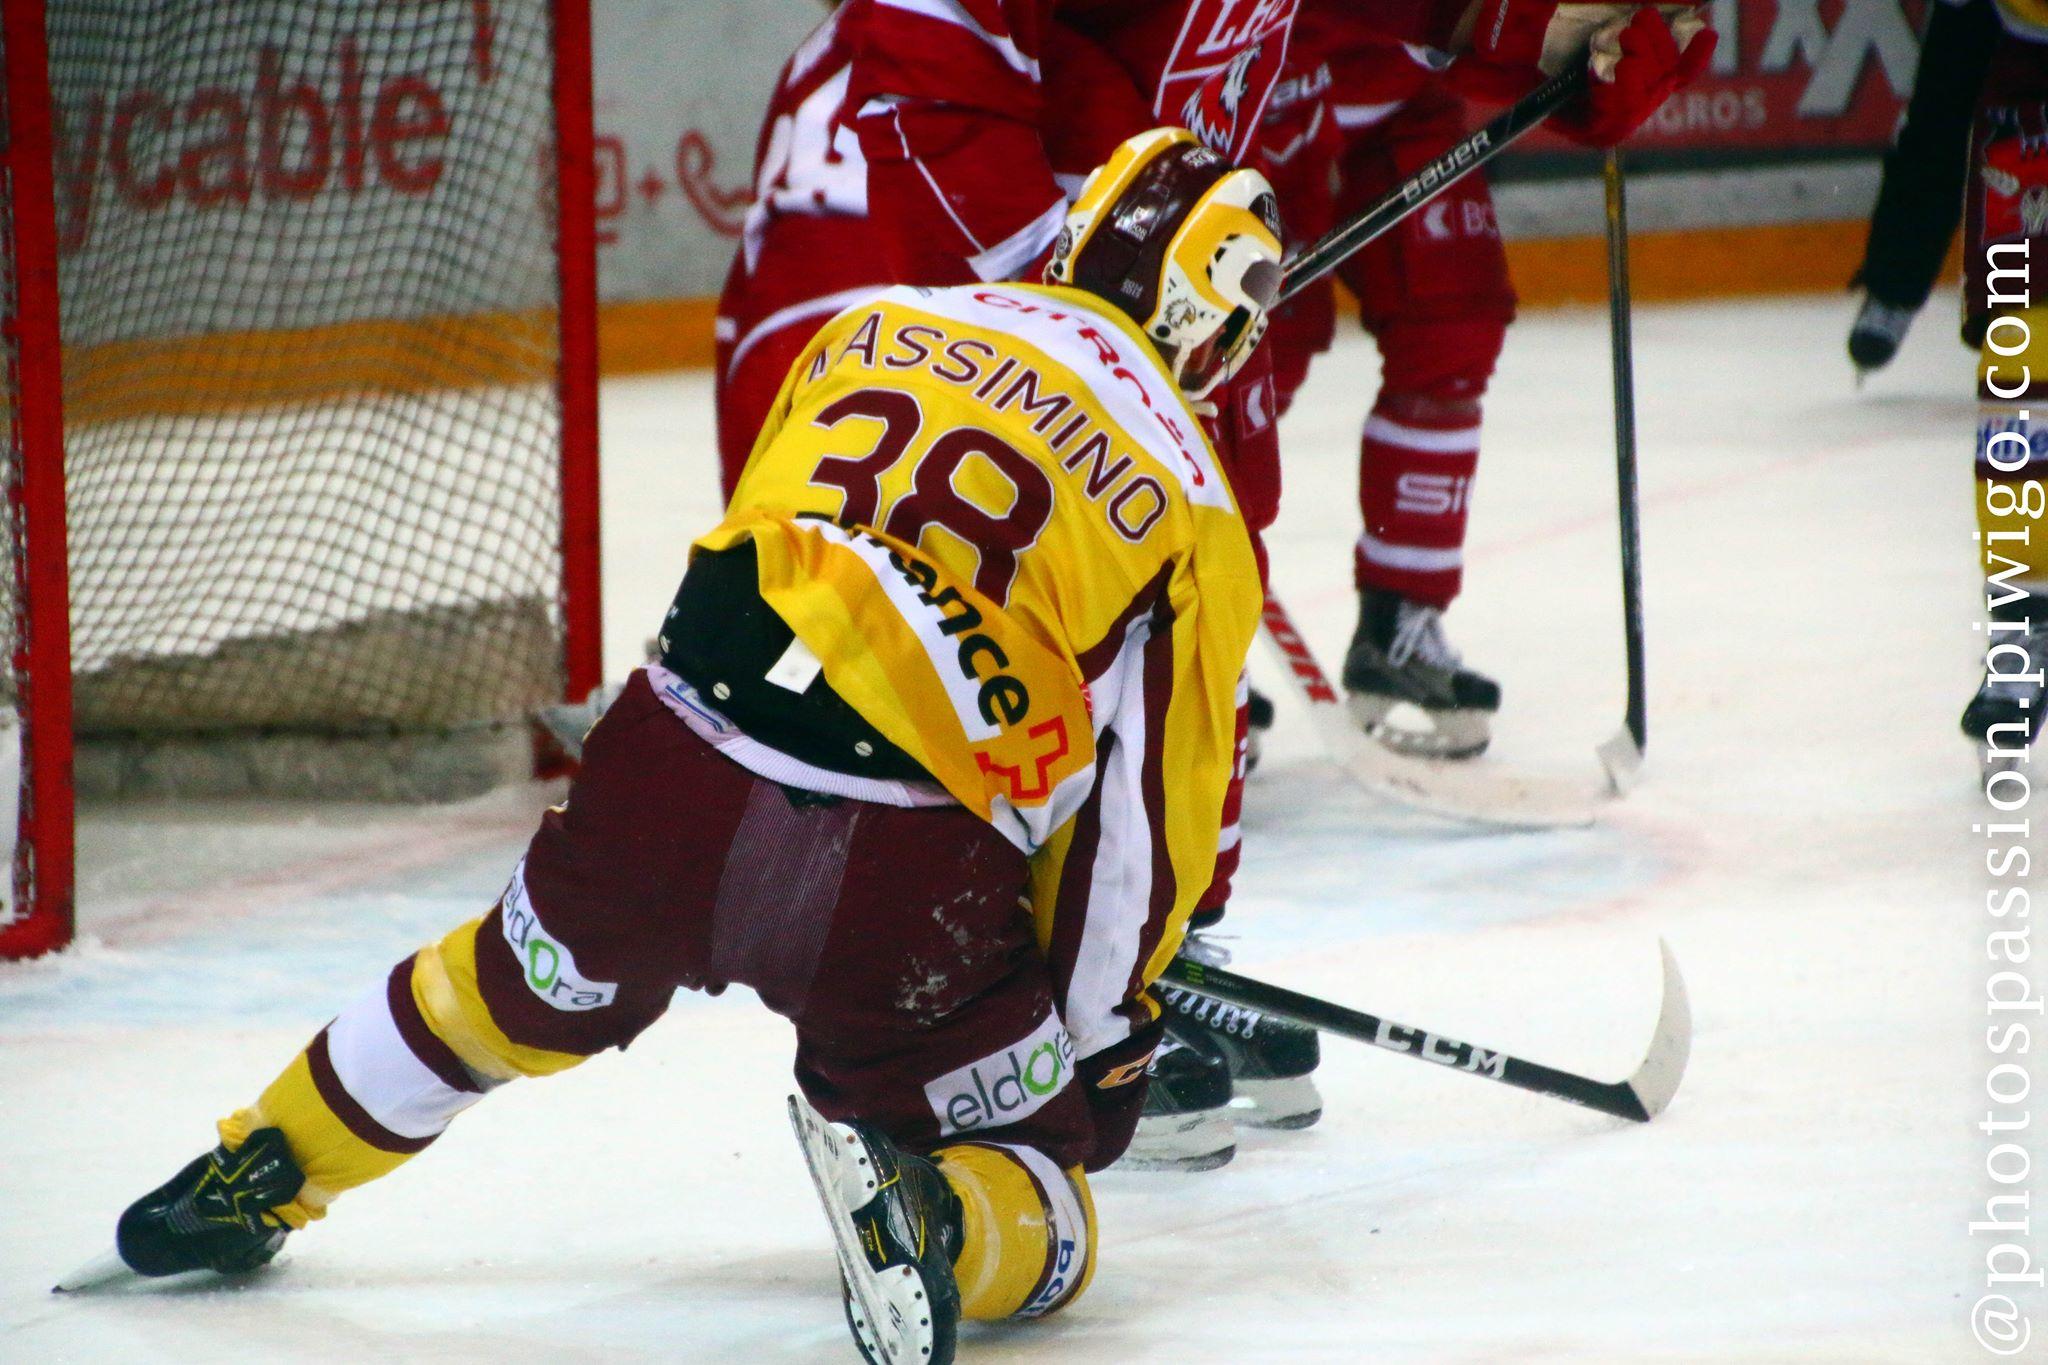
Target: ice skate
1272	1062
1186	1124
1875	335
1399	656
2003	719
212	1215
1258	720
897	1224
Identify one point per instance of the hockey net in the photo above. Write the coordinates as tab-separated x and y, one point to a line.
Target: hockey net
326	313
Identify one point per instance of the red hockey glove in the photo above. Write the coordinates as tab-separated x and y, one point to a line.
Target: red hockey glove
1514	45
1636	67
1536	38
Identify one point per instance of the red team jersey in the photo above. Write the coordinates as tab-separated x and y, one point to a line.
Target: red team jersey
938	142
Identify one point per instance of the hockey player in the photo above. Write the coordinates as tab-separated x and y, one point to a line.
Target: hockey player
1920	198
933	759
2006	213
1355	116
938	144
972	118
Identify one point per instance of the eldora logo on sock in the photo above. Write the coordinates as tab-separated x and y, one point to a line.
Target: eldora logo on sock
550	967
1004	1086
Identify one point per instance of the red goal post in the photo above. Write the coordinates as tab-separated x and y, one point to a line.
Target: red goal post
300	354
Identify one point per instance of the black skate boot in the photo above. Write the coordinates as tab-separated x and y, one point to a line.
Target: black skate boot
1258	719
1398	654
1272	1062
2013	694
1186	1122
213	1215
1875	335
898	1227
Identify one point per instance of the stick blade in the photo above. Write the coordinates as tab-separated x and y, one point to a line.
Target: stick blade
1622	758
1452	790
1663	1067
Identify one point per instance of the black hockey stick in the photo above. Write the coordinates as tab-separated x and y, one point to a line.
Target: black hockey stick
1641	1097
1622	755
1324	255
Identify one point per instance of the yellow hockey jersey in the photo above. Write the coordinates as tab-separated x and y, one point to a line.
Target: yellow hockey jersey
991	515
2026	19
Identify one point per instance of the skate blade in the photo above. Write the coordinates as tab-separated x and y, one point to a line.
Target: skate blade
1991	762
1451	734
887	1309
1287	1102
103	1269
1199	1141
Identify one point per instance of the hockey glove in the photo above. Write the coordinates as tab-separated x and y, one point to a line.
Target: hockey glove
1636	67
1114	1082
1515	45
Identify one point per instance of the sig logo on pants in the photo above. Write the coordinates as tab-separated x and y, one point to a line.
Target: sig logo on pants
1004	1086
550	967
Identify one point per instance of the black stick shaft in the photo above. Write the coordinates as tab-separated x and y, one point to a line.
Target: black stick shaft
1620	335
1318	259
1614	1098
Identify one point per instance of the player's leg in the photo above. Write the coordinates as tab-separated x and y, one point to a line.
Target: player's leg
929	1047
1219	1065
2008	186
1920	197
1435	294
584	949
2004	716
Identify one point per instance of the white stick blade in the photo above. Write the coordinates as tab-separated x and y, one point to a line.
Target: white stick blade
1658	1078
1623	760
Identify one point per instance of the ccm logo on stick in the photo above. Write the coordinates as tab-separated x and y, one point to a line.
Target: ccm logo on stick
1431	1048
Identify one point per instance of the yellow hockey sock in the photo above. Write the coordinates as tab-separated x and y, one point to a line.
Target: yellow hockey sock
385	1078
1029	1246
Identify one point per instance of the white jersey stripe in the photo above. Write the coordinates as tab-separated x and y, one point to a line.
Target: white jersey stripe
797	312
952	12
1350	116
1119	894
1003	260
1411	557
1429	440
381	1073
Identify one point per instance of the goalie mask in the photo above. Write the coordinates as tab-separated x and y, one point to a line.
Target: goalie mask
1185	244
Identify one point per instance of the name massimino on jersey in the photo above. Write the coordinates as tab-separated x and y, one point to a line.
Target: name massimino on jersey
1136	500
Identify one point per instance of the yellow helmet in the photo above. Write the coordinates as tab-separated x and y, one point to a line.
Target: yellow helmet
1184	243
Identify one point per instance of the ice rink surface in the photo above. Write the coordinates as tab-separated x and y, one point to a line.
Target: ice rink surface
1802	838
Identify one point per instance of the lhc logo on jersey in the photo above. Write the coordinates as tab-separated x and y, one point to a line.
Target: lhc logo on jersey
1213	112
1230	51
